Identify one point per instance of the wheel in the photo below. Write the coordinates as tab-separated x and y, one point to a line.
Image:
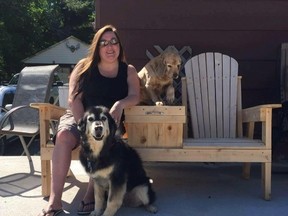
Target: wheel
2	145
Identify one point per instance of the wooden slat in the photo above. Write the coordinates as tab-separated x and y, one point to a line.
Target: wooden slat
239	121
155	119
196	92
204	155
226	95
46	155
233	96
211	93
185	104
266	179
219	97
192	97
257	113
204	94
155	110
224	143
154	135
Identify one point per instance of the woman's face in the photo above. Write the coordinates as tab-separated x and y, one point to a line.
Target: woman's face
109	47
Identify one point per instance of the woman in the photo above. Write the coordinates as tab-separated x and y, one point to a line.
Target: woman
102	78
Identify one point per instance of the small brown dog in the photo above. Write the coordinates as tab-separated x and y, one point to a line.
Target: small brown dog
156	78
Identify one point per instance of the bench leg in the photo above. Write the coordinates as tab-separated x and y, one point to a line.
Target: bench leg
246	170
266	180
46	177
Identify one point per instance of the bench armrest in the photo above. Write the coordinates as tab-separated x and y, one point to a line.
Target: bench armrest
258	113
48	111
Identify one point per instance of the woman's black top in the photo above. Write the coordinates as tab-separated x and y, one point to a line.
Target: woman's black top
100	90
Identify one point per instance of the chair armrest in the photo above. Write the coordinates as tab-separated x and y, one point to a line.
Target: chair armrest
3	109
258	113
9	113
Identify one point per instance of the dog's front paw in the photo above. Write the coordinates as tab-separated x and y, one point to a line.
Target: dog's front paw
170	95
170	100
95	213
151	209
159	103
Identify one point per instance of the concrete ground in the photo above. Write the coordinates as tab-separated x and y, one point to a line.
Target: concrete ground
194	189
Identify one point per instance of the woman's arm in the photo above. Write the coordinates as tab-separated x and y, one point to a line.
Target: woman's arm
133	96
75	104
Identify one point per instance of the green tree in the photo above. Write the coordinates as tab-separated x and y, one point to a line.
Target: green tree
28	26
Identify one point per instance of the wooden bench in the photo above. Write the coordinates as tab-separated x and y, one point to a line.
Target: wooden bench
212	88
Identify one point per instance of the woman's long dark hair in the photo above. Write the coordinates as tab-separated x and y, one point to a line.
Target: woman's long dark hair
93	58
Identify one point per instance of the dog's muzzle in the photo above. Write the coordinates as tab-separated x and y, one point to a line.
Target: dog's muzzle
98	131
175	76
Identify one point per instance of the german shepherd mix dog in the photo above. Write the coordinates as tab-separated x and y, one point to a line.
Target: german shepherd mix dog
116	168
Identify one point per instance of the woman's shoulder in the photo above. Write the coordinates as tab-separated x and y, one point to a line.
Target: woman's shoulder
129	68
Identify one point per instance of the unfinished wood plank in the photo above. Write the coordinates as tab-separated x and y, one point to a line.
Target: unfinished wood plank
244	143
266	180
155	119
233	96
226	95
239	121
196	92
211	93
192	97
155	110
46	177
219	96
204	94
204	155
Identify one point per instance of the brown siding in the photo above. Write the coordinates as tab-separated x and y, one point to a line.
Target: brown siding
251	31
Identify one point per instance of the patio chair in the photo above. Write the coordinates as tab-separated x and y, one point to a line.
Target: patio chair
22	121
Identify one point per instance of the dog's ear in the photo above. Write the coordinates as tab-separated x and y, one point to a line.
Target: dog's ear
112	124
113	127
81	126
159	64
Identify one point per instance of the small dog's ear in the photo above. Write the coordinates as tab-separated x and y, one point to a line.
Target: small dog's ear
81	125
159	64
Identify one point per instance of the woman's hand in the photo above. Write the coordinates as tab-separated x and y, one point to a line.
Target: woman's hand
116	112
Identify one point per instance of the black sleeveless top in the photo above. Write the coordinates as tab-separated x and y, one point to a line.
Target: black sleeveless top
100	90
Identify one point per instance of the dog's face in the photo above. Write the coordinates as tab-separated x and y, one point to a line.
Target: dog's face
172	64
96	126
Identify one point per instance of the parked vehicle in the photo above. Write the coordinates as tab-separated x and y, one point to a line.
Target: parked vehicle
7	93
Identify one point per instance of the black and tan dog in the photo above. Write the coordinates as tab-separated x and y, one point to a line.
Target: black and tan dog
116	168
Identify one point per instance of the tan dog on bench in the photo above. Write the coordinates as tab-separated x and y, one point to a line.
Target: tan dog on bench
156	78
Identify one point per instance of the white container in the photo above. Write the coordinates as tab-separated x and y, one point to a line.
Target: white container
63	96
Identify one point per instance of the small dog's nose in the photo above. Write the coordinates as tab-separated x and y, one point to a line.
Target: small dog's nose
175	76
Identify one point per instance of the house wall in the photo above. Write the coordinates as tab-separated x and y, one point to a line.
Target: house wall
251	31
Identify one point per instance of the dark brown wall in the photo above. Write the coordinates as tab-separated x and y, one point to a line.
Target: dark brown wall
251	31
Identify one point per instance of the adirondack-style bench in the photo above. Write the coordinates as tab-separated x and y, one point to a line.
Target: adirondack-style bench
211	93
212	88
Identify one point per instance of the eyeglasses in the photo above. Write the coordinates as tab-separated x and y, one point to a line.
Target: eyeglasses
104	43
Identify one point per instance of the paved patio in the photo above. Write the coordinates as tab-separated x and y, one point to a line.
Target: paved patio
182	189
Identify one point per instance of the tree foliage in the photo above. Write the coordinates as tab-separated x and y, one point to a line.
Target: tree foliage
28	26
